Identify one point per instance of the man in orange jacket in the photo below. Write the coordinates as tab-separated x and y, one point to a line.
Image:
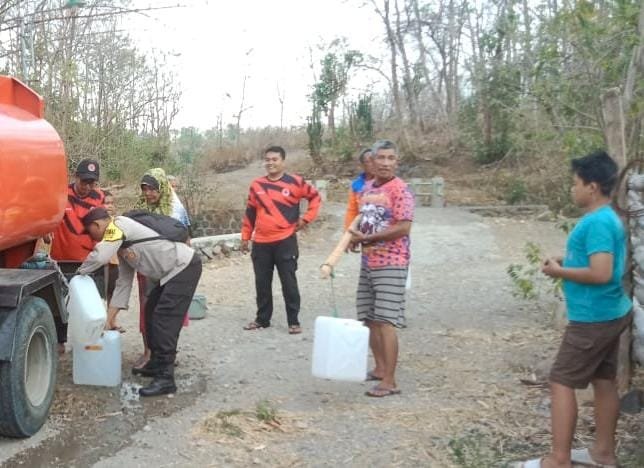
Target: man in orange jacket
357	184
272	219
71	244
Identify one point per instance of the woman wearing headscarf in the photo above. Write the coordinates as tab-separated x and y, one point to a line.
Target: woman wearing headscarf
157	196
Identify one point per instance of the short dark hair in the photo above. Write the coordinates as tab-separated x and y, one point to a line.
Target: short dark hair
597	167
363	155
94	215
276	149
384	144
107	193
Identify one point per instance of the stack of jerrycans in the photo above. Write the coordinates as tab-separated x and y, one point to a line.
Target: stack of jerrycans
97	353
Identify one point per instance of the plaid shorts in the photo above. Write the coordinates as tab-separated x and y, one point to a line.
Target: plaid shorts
381	294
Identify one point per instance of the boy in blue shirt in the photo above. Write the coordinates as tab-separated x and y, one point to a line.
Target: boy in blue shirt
598	312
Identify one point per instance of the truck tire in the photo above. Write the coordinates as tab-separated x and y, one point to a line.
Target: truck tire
27	381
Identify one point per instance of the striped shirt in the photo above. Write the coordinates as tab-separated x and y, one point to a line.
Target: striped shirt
273	208
70	242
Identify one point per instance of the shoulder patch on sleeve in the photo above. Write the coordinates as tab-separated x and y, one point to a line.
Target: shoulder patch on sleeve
113	233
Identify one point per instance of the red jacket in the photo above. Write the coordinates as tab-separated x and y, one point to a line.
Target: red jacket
70	242
273	208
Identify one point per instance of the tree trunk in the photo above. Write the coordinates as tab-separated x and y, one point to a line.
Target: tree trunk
614	134
408	86
422	55
631	89
391	41
331	120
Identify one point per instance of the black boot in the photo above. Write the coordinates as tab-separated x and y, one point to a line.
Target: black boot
159	386
162	384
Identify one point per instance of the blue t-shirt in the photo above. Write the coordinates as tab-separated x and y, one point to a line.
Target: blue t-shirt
596	232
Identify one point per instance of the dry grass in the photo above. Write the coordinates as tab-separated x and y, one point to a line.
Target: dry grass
255	436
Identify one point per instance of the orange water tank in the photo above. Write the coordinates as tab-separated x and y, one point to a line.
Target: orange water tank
33	168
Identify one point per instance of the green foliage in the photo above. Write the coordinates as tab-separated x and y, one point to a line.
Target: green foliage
334	77
475	450
343	145
516	192
265	411
585	48
222	423
314	130
488	118
566	225
188	145
361	119
527	278
195	193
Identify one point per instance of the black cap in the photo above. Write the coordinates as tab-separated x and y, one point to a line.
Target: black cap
87	169
95	214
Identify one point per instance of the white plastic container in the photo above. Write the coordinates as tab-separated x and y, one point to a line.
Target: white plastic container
98	363
340	348
87	314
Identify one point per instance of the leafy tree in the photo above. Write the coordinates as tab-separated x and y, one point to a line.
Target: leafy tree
315	131
361	119
332	83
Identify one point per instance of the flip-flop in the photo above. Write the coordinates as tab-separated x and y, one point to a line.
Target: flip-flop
371	377
294	330
379	392
253	326
583	457
117	328
534	463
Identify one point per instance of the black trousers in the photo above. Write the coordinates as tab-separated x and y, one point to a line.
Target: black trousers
266	257
165	309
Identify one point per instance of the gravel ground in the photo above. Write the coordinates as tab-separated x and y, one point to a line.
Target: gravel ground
248	398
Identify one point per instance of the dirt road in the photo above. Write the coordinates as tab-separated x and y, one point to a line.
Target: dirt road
248	398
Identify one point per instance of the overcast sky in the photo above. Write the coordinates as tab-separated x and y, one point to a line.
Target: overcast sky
218	42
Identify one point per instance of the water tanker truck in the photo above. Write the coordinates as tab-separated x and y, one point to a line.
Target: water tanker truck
33	196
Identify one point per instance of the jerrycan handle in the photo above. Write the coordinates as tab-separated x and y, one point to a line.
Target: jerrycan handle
334	305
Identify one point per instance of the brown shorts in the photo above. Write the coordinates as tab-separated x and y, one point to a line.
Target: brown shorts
588	351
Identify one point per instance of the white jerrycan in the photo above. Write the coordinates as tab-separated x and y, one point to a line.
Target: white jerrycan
340	348
87	314
98	363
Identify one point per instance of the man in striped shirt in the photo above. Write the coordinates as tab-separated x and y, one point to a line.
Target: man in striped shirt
387	209
71	244
272	219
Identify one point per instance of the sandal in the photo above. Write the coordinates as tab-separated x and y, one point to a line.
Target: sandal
372	377
294	330
379	392
534	463
254	326
117	328
583	457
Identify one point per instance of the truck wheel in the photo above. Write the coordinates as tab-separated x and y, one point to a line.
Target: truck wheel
27	382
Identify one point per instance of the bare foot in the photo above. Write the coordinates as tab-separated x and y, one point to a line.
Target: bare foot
143	359
140	362
602	459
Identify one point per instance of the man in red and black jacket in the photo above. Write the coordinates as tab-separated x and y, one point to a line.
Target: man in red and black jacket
272	219
71	244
